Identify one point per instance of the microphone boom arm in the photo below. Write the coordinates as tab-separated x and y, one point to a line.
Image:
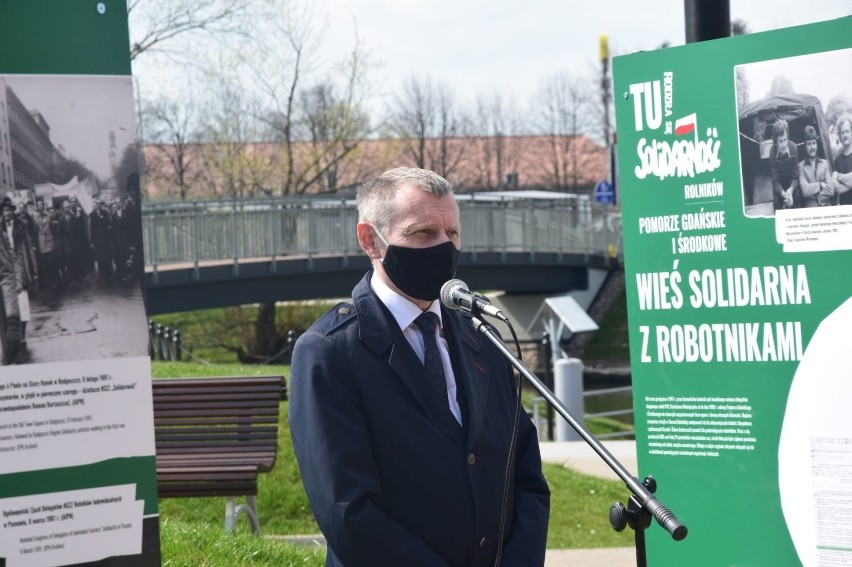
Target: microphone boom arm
641	494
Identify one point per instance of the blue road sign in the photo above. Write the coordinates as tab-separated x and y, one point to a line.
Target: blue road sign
604	193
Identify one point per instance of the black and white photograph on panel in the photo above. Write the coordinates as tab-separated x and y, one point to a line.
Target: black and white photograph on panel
794	120
70	220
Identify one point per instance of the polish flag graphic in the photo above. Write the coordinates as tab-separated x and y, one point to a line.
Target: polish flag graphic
685	125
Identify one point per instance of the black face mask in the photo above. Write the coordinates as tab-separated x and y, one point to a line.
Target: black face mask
420	272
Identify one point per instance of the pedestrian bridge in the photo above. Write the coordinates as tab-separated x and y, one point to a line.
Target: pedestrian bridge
204	254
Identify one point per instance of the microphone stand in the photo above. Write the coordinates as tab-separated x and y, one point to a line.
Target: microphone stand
642	504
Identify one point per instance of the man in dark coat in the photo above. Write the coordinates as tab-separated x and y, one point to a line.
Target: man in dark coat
18	254
119	243
11	328
100	226
46	246
80	234
784	168
73	244
402	468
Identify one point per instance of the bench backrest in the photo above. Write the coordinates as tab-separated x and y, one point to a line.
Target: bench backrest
223	420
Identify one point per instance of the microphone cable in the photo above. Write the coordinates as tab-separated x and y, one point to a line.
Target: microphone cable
513	447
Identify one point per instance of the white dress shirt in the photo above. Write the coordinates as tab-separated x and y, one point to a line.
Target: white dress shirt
405	312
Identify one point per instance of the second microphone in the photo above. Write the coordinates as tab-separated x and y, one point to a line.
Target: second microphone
456	295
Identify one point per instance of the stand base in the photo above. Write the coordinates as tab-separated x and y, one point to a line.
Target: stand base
637	517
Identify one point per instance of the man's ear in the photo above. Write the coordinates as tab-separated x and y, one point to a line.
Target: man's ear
368	241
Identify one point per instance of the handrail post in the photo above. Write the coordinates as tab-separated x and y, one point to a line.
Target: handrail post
505	238
155	245
177	346
236	268
151	339
311	236
195	272
160	341
276	231
167	341
342	236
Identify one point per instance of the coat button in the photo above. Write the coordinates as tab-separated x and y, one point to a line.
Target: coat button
343	311
482	542
471	459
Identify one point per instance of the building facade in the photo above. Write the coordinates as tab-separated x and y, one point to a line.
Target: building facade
569	164
7	179
32	151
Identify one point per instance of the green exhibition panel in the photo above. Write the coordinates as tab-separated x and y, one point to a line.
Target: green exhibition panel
77	453
739	263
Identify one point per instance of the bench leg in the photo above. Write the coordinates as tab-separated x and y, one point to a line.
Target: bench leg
230	515
233	511
250	509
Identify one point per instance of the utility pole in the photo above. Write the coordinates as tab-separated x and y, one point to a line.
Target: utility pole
707	19
604	57
609	142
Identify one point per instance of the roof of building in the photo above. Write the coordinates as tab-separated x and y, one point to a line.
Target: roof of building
570	164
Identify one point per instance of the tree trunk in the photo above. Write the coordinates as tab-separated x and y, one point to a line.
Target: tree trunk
267	341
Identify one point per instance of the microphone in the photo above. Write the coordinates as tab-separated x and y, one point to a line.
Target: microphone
455	295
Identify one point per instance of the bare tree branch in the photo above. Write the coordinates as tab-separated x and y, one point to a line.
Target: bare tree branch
160	22
319	125
427	117
281	137
563	108
173	130
497	123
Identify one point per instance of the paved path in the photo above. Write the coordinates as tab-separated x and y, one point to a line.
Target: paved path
579	456
601	557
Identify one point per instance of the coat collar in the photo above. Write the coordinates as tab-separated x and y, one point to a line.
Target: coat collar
373	327
473	371
469	365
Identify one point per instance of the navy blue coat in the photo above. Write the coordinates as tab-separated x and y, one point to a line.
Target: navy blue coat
392	478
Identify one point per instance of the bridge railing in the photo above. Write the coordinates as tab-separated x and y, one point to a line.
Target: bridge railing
199	231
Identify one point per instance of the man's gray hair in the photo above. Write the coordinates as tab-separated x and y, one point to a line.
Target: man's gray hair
375	199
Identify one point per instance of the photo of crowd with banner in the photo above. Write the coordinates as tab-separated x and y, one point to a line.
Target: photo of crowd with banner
70	229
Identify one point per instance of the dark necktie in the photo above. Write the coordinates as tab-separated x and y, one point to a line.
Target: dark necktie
427	322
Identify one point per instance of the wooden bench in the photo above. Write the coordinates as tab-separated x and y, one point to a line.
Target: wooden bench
214	436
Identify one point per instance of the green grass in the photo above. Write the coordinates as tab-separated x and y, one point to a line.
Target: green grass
195	544
197	370
192	528
579	510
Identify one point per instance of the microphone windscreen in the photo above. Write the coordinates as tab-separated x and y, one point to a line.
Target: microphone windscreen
447	293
